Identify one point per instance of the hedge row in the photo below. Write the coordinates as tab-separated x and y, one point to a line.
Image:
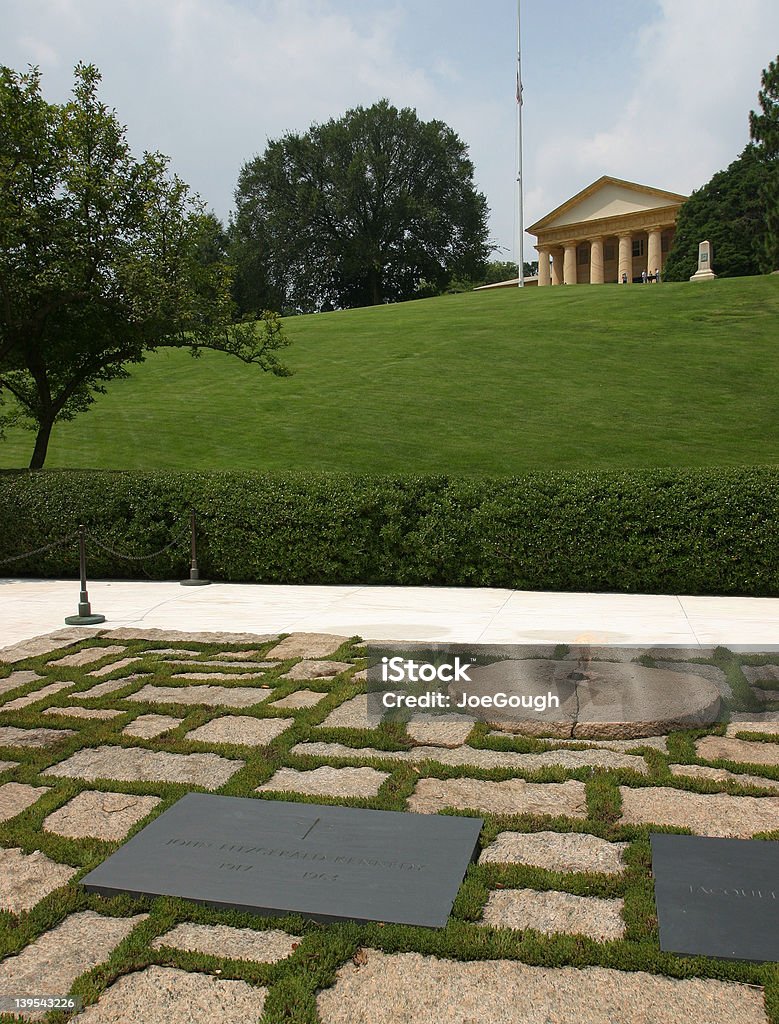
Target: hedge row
692	532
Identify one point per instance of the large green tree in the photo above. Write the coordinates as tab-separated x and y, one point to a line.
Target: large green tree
377	206
103	258
738	210
729	212
764	130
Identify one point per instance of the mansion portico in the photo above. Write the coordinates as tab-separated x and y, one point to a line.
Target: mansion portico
609	229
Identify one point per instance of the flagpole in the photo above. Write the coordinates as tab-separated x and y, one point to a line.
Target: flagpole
520	209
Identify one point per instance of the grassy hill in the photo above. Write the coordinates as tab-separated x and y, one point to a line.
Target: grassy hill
486	383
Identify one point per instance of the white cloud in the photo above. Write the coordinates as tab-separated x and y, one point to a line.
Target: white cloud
209	81
685	114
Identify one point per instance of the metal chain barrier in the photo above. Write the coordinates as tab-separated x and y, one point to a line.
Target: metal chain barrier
85	615
40	551
138	558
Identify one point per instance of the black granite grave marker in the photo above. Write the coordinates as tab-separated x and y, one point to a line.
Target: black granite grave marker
717	897
272	858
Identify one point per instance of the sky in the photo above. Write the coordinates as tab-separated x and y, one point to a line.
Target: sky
655	91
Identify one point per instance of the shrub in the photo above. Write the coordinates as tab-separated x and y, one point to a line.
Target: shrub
657	531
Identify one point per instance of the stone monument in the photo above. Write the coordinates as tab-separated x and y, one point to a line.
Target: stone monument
717	897
704	271
271	857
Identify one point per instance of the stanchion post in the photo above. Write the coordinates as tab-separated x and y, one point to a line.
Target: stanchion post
85	616
194	573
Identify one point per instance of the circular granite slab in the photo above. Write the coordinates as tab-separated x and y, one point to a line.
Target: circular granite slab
596	699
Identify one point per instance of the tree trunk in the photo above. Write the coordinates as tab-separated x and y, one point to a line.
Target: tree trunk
41	444
376	291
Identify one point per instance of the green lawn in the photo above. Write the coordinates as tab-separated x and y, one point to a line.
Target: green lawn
486	383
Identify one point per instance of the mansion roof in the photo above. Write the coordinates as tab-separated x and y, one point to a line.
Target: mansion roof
606	199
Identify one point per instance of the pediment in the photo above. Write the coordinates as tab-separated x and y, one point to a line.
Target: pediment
607	198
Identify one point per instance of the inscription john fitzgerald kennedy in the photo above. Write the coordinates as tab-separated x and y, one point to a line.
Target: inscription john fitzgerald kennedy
303	855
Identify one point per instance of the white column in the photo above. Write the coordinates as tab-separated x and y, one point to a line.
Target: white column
596	260
544	271
557	266
569	263
625	258
655	250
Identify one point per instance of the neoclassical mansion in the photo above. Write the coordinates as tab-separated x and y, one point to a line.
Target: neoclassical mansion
609	229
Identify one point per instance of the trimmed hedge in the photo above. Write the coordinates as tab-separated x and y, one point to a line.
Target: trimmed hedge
692	532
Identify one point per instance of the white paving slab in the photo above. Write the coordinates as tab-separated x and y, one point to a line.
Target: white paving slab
29	608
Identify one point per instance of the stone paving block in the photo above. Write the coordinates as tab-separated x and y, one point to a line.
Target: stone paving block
223	677
715	748
113	666
441	731
226	666
557	851
51	963
15	798
700	771
307	645
230	943
165	995
235	655
87	656
553	912
241	729
35	696
182	652
10	736
389	988
472	757
354	753
17	679
769	726
305	671
352	714
620	746
177	636
108	816
45	644
719	814
757	674
326	781
73	712
109	686
27	878
299	699
135	764
515	796
211	696
146	727
5	765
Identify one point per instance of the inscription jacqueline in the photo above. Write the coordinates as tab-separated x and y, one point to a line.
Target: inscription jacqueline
760	894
